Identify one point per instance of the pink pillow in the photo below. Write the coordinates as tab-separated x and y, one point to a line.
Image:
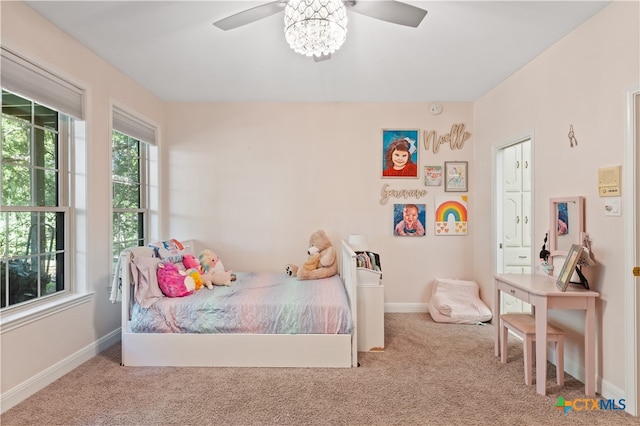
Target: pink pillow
173	282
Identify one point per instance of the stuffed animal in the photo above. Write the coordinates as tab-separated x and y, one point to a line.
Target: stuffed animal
320	250
189	261
213	269
174	282
197	278
312	263
195	270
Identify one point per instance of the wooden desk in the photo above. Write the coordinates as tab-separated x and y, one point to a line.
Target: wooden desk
541	292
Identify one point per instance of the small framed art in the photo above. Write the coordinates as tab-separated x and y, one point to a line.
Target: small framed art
570	262
400	153
409	220
455	176
451	215
432	175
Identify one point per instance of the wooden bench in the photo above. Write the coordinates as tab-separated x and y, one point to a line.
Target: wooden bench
523	326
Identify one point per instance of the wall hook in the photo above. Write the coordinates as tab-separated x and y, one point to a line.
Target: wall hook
572	138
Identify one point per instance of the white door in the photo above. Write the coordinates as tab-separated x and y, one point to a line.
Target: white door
632	261
514	210
636	269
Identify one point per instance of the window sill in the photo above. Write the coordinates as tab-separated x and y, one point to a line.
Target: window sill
13	320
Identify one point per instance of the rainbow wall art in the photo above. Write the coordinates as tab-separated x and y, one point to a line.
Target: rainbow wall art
451	215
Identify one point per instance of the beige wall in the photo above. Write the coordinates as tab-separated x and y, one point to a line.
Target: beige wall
252	181
54	342
580	81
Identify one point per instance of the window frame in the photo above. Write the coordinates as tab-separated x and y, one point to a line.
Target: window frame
143	164
45	84
64	169
145	131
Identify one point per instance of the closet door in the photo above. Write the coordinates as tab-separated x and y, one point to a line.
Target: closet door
516	214
512	168
512	216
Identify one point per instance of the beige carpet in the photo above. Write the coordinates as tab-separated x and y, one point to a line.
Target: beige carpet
429	374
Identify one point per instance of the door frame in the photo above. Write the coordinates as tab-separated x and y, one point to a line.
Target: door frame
632	294
497	197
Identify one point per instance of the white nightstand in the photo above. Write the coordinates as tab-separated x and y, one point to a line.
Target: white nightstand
370	311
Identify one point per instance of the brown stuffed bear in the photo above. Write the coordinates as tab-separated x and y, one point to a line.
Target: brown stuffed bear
321	251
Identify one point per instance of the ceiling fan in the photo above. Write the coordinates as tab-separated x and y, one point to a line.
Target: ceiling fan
318	27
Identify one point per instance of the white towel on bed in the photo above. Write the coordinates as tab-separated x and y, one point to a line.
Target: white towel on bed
126	256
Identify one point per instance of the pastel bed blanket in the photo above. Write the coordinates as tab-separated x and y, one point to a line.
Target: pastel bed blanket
257	302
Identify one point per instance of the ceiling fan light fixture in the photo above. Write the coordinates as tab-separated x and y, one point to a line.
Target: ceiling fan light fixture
315	27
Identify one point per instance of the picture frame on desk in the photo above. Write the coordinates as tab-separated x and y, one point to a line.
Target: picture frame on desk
570	263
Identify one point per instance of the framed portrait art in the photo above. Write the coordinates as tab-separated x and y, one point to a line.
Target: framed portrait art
409	220
570	263
455	176
400	153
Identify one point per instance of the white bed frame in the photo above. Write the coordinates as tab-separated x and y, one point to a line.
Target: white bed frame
244	350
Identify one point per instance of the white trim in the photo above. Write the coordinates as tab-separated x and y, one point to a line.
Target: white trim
12	320
37	311
38	382
406	307
631	291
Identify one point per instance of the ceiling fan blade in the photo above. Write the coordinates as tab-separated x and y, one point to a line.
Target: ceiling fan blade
391	11
322	58
250	15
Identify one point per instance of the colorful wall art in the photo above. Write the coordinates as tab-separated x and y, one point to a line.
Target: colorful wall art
432	175
409	220
400	153
451	215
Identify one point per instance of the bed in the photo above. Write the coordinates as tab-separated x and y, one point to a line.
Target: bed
218	344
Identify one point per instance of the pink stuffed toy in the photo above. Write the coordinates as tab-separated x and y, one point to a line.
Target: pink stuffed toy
193	267
189	261
174	282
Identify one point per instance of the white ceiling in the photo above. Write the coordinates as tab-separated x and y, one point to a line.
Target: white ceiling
461	50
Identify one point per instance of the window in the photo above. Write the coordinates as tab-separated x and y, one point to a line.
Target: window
35	200
129	192
134	182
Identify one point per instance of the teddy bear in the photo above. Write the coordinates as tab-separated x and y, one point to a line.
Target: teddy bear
321	262
213	270
312	263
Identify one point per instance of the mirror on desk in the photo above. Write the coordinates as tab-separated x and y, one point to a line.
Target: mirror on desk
566	226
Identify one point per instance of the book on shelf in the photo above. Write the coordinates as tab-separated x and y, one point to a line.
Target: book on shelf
368	260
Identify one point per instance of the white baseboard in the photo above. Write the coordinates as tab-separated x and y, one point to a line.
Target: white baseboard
605	389
29	387
405	307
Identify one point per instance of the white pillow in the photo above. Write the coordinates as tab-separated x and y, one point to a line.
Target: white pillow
169	250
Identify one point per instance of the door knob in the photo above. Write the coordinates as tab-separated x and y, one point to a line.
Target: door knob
636	271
